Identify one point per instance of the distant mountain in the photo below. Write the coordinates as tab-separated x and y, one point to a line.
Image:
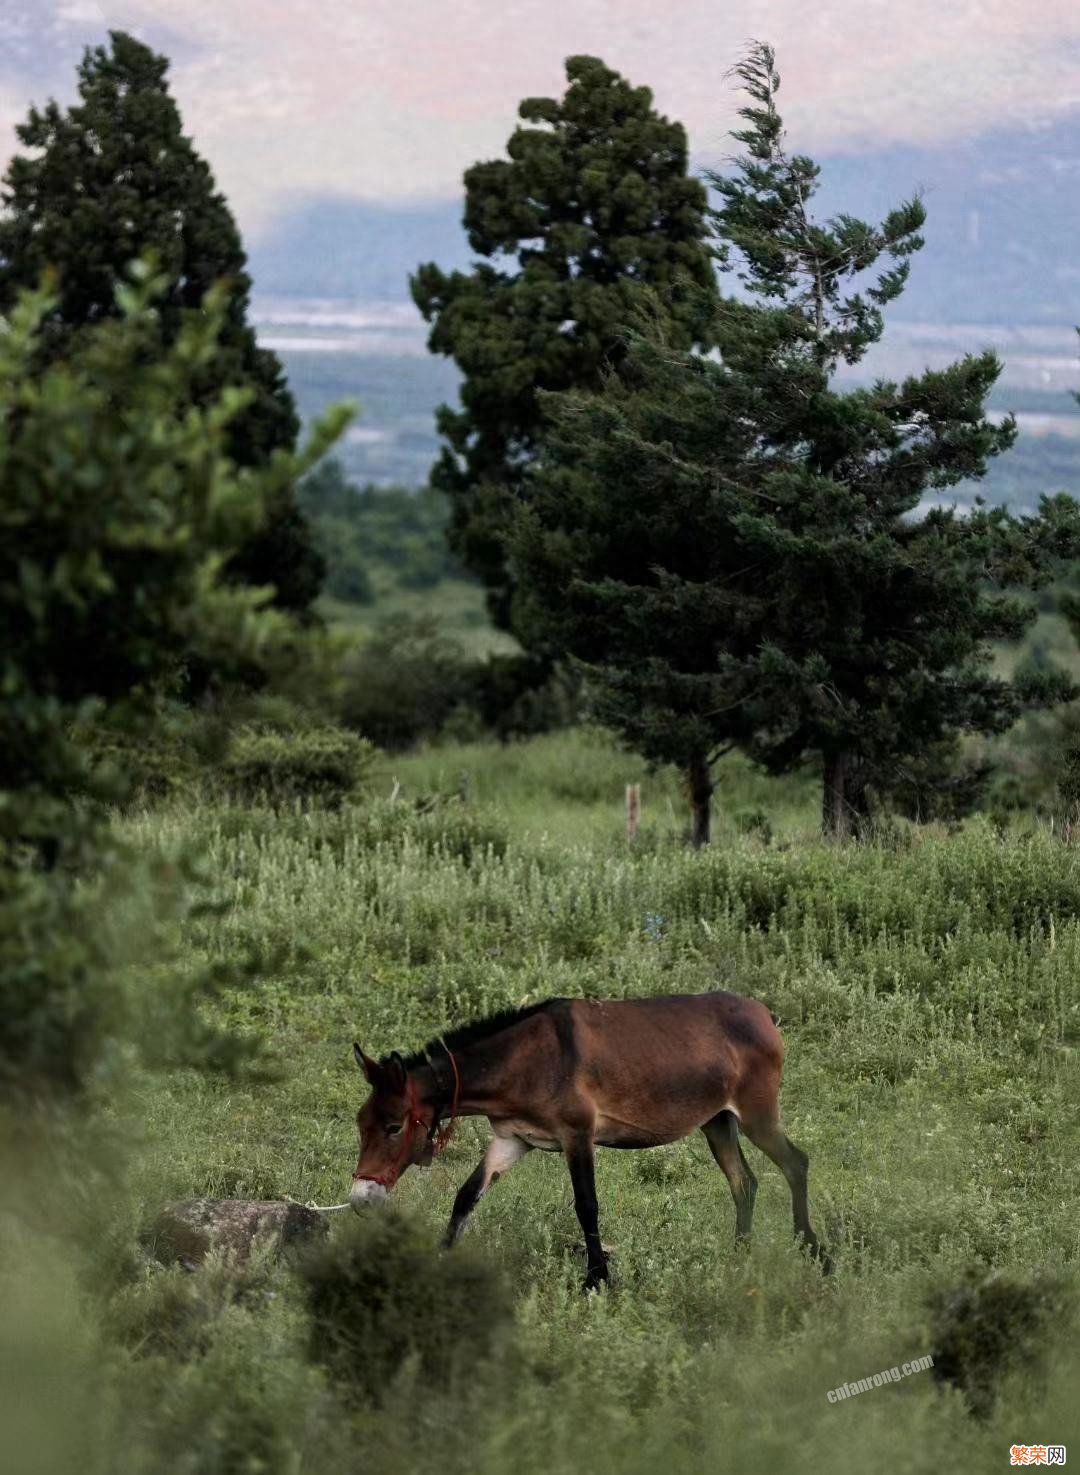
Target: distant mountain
1002	239
1003	226
1001	268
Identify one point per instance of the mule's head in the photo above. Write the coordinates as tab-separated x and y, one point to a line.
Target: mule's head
393	1126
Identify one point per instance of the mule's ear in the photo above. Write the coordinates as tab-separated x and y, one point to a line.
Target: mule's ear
399	1072
367	1065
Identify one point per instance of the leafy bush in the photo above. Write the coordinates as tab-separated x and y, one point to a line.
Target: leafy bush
754	822
945	782
523	695
60	996
323	765
380	1295
402	684
347	576
173	1311
156	761
435	826
989	1324
118	510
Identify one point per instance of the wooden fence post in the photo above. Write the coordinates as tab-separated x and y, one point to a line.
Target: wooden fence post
633	811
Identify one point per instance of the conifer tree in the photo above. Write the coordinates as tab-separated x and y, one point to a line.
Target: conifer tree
593	204
736	549
118	509
107	180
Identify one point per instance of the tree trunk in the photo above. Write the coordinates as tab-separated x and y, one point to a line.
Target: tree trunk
700	786
845	804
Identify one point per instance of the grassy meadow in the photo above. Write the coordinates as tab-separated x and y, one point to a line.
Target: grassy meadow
456	604
927	989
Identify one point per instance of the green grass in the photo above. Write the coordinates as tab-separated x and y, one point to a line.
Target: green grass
456	605
928	996
570	787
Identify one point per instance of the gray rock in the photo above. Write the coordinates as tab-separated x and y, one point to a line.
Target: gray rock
187	1230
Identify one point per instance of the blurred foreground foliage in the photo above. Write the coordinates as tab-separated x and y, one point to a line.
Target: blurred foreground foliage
119	511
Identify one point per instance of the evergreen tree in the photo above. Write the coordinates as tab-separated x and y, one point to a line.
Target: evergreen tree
118	509
627	561
107	180
733	547
593	204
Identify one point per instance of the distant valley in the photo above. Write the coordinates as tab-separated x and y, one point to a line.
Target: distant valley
1001	269
375	354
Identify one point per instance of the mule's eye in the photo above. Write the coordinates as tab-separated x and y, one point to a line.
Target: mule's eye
395	1131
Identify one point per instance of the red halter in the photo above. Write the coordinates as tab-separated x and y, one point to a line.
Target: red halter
443	1134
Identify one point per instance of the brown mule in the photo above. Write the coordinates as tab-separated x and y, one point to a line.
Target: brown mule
569	1075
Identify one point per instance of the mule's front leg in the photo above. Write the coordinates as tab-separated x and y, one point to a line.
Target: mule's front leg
579	1157
502	1154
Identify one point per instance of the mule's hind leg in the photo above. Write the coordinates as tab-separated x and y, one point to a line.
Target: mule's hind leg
722	1135
502	1154
793	1163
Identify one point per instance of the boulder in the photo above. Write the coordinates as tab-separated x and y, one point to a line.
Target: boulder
187	1230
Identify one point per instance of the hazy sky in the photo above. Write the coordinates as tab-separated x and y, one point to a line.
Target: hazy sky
392	99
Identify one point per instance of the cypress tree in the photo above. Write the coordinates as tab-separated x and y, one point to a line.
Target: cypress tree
592	205
107	180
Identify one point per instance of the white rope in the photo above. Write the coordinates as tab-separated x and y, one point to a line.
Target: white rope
319	1208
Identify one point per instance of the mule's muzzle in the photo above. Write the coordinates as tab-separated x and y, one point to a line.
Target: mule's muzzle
366	1194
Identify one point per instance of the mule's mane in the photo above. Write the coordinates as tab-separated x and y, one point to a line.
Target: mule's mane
477	1029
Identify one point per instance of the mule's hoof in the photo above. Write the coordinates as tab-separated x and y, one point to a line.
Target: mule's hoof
595	1279
819	1253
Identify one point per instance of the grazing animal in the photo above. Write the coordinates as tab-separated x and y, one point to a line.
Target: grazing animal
571	1075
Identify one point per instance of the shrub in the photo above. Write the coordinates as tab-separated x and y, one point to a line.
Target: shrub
347	577
403	683
946	782
990	1324
754	822
156	761
379	1295
322	765
521	695
60	996
118	511
173	1312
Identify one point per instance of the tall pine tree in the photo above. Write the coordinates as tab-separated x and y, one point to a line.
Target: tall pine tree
592	205
735	548
115	176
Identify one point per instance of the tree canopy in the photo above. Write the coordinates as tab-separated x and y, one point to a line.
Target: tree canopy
746	554
592	206
108	180
119	509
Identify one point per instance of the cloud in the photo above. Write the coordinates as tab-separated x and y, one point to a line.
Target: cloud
80	12
392	99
